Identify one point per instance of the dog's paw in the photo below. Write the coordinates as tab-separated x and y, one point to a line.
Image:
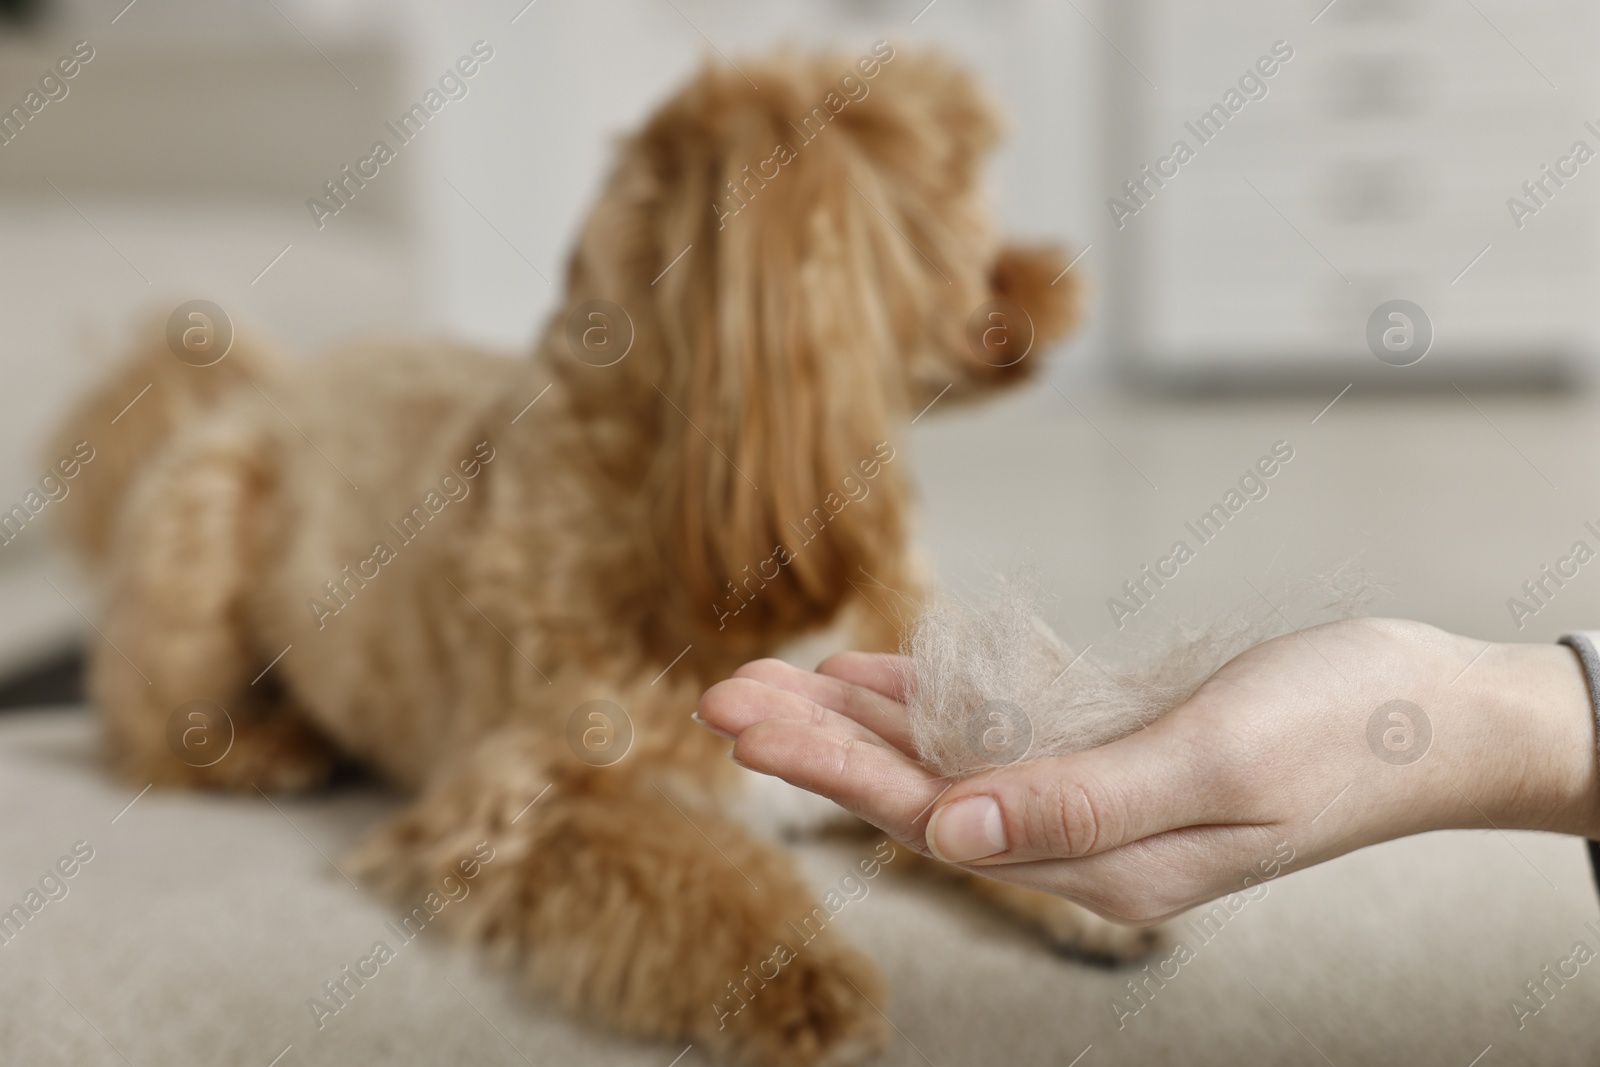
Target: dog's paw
821	1010
282	755
1072	928
276	754
1080	932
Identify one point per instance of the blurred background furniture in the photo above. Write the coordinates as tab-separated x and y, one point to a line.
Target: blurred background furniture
1380	162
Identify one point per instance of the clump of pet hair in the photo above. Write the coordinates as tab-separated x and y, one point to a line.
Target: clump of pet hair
991	683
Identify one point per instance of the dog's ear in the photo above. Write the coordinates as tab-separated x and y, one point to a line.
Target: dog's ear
776	391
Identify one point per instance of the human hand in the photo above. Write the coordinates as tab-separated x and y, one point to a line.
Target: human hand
1287	756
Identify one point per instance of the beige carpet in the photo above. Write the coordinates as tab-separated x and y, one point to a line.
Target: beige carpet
201	926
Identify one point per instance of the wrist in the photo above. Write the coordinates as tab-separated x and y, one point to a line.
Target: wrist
1542	731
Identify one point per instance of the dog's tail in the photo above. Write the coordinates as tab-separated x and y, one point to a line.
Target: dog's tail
123	423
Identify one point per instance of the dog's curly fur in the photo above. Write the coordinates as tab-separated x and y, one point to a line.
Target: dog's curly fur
592	551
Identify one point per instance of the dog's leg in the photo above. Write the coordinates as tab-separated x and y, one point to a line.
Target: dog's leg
635	904
1068	927
176	632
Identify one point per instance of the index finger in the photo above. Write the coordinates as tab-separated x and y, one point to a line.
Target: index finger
875	783
866	706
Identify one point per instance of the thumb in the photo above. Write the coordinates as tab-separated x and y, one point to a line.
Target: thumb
1066	807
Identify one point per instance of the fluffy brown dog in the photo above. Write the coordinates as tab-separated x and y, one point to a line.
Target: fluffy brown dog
701	476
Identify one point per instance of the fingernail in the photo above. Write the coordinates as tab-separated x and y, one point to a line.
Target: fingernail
695	715
736	761
969	829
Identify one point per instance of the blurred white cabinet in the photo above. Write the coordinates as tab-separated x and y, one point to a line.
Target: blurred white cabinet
1380	159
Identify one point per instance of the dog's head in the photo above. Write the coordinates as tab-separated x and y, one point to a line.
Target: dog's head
840	196
803	251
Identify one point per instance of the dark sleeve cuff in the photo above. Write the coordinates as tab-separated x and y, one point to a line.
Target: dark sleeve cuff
1586	643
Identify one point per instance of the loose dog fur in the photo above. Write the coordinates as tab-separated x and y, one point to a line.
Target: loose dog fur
598	534
987	681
